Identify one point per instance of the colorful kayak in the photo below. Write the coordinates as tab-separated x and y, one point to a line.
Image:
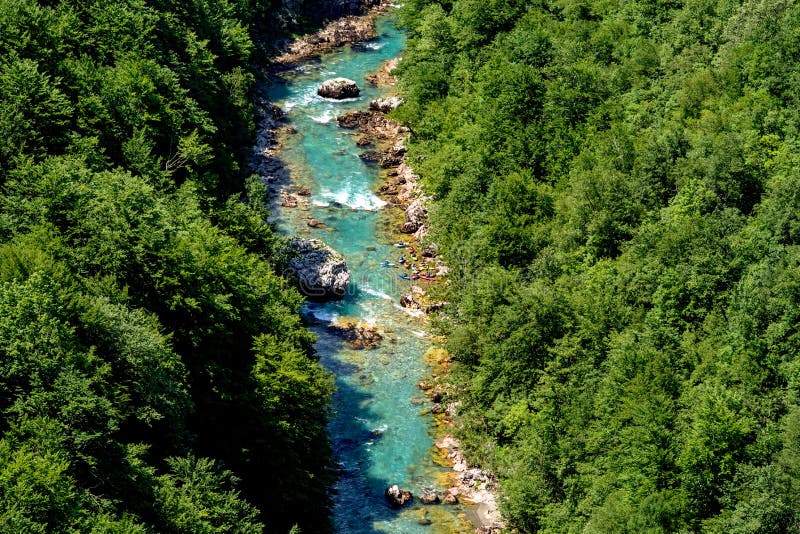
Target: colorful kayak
404	276
401	244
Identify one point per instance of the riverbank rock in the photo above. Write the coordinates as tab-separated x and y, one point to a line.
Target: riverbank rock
392	156
338	88
385	105
383	77
346	30
430	251
397	497
358	334
416	216
353	119
406	301
372	124
472	486
321	272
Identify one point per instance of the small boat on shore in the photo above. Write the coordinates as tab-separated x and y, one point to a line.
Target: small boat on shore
401	244
388	264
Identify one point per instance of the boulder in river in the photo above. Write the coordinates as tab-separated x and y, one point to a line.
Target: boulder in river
338	88
321	272
430	497
397	497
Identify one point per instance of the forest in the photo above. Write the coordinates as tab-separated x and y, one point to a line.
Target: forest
155	375
616	191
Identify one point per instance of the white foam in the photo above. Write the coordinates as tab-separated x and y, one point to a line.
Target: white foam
375	293
412	313
301	100
356	201
321	315
320	203
374	46
325	117
336	100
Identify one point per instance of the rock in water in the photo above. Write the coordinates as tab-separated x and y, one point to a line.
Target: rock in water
357	334
321	272
397	497
430	497
338	88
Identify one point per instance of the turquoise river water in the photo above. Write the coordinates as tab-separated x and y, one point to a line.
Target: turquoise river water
379	434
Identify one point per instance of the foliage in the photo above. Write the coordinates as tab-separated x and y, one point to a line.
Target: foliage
137	278
615	192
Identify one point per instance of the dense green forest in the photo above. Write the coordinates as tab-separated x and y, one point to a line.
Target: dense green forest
617	193
154	372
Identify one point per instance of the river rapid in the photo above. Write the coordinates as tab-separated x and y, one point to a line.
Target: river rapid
379	432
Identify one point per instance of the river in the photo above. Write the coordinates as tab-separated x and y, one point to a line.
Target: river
379	433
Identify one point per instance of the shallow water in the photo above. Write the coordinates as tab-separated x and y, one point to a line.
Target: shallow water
379	435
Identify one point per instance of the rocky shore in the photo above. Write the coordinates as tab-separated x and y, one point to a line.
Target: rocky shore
346	30
468	484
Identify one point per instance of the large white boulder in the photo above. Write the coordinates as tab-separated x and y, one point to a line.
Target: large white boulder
321	272
338	88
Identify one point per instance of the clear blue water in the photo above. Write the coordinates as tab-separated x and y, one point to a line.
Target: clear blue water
378	432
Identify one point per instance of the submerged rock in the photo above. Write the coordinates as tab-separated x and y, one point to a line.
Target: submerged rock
320	271
338	88
397	497
357	334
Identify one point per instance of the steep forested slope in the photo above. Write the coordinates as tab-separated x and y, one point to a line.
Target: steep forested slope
154	373
616	191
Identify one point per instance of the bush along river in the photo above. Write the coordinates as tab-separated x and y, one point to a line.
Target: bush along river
380	432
